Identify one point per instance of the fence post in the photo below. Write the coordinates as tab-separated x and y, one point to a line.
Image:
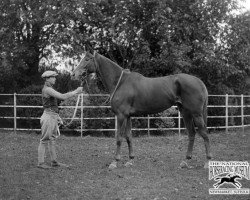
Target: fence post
15	123
226	118
81	113
115	125
148	126
242	113
179	124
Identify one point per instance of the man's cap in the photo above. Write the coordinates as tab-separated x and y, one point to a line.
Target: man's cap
48	74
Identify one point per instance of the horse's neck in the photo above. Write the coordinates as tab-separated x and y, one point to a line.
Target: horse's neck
109	72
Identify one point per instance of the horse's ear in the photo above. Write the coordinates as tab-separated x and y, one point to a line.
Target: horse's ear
88	48
92	51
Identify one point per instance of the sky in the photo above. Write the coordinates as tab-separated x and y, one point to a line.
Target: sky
246	4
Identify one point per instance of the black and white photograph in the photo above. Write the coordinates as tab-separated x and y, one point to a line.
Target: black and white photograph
124	100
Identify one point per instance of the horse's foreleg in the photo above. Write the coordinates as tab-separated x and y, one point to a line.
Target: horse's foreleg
130	143
121	125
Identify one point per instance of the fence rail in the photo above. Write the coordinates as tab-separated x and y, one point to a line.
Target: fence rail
226	117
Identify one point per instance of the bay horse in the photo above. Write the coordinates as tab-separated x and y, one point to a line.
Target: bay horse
132	94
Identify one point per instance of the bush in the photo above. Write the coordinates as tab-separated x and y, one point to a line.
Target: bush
160	123
166	122
29	113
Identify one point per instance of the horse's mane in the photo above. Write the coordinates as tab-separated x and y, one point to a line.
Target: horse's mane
113	63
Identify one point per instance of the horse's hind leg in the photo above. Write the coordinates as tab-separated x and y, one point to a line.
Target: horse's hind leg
188	120
237	184
202	130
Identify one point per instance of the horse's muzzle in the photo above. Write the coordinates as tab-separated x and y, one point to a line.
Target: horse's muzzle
79	76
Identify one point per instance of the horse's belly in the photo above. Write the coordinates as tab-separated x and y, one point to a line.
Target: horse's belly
152	104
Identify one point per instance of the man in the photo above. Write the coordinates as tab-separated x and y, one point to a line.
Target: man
50	119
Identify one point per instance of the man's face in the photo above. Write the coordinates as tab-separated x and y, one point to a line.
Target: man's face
52	80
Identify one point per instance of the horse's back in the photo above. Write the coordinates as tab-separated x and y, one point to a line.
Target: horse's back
186	83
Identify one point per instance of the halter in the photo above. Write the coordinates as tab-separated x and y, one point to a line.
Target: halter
84	79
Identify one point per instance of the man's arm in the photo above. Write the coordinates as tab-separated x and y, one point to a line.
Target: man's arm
51	92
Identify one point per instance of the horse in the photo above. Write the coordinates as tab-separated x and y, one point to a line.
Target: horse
228	179
132	94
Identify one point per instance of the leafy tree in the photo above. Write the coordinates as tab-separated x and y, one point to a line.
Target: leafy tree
237	51
149	36
28	29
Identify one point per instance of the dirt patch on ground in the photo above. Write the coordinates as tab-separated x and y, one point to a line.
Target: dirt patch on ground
154	175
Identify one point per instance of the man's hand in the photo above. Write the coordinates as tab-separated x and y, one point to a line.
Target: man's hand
59	121
79	90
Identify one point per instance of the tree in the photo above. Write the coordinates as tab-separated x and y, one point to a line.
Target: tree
149	36
237	51
28	29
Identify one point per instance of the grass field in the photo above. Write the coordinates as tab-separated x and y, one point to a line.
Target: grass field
155	174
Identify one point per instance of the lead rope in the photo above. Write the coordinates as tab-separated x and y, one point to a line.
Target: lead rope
76	106
109	99
73	117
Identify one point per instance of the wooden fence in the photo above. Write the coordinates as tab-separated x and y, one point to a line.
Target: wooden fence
243	105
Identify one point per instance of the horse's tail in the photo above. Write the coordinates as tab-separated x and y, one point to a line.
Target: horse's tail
123	127
205	111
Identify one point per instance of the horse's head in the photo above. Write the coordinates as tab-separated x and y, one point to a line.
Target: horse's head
234	176
237	176
86	67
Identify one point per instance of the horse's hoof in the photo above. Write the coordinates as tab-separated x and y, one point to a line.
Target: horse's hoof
206	165
188	157
113	165
129	163
185	165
